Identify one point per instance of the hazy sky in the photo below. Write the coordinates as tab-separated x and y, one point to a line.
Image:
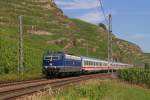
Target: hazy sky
131	18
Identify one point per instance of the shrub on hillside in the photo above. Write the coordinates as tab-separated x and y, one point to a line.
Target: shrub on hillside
102	25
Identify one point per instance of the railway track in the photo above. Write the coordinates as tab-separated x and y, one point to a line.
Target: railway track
18	89
11	83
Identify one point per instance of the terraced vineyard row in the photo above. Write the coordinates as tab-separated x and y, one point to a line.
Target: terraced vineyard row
136	75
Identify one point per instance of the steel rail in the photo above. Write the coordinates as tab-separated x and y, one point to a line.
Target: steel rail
11	83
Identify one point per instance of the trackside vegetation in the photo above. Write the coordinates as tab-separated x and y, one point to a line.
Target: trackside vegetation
136	75
97	90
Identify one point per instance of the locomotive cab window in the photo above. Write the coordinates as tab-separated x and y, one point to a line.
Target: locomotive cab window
48	58
55	58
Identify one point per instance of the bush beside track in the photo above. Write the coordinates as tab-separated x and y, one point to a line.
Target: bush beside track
136	75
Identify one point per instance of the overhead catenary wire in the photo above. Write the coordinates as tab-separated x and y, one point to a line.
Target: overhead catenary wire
103	11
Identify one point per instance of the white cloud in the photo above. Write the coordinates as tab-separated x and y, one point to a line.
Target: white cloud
138	36
92	17
78	4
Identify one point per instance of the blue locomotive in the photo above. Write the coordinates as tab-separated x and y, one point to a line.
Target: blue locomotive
56	63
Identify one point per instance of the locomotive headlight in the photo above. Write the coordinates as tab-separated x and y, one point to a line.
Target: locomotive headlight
46	67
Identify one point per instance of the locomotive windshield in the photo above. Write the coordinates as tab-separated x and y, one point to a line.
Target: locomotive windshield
51	58
47	58
55	58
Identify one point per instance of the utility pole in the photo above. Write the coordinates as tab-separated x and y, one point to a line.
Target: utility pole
87	50
110	42
20	64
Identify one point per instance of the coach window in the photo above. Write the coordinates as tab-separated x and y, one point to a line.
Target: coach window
96	63
104	64
100	64
86	62
91	63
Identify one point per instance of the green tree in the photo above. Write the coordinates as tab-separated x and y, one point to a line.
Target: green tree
102	25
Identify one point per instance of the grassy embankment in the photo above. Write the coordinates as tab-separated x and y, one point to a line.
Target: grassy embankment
98	90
